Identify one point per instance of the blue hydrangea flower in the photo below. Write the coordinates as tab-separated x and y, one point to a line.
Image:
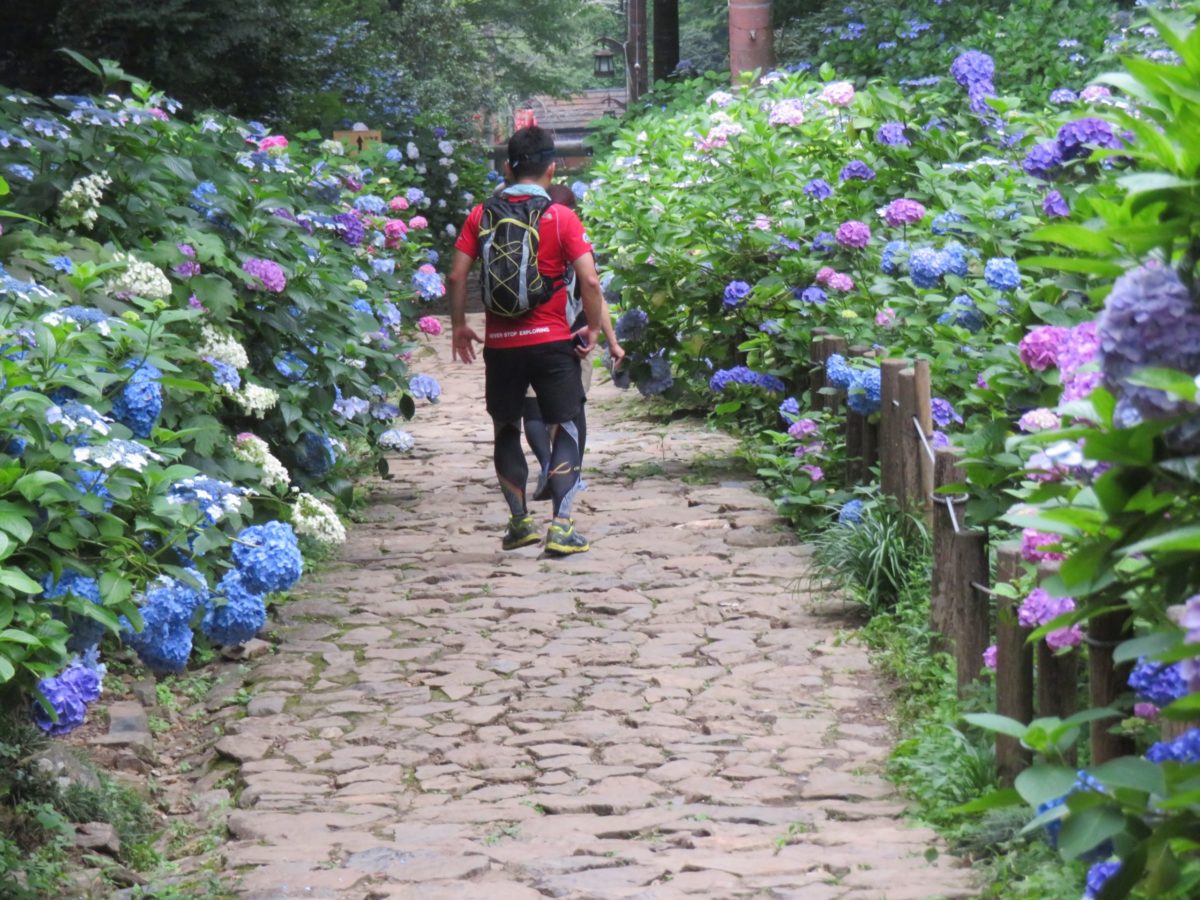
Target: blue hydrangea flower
425	387
86	632
851	513
631	325
771	326
964	314
370	203
290	366
837	373
212	496
225	375
944	223
1043	160
1083	782
889	263
1063	96
744	375
239	618
1183	749
428	285
658	379
1159	683
891	134
1002	274
824	243
268	557
83	315
972	67
315	454
943	413
139	403
810	294
92	481
954	259
926	267
789	409
818	189
21	171
63	264
864	392
68	693
736	293
1098	876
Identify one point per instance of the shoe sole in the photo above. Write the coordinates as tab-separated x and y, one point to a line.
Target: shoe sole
531	538
567	549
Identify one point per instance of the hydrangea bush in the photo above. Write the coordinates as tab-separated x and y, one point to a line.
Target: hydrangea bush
206	333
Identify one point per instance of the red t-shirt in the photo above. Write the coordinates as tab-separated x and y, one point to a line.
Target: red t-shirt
561	241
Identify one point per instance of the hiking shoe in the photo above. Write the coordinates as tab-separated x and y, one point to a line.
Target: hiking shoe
522	531
542	491
564	539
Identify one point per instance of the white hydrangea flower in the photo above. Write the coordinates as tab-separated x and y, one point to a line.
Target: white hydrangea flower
332	147
413	152
396	439
127	454
80	203
140	278
445	148
445	162
256	400
222	347
317	520
254	450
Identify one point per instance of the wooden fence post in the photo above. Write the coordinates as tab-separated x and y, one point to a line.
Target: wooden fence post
941	599
970	609
909	443
891	455
1107	681
924	393
816	372
1014	667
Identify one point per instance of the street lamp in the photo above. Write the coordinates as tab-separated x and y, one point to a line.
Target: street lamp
604	64
604	68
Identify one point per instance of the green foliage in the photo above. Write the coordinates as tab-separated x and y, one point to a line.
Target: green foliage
877	560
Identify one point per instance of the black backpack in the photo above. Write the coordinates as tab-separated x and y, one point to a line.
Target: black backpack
508	231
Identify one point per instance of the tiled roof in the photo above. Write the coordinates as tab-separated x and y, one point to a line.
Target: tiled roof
575	113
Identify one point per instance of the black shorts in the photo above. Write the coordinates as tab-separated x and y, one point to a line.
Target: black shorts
552	369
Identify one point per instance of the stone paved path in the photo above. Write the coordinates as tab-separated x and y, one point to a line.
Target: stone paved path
670	715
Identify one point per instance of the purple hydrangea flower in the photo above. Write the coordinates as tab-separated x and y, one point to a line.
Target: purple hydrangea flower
944	413
1063	96
979	94
736	293
269	274
349	228
811	294
1042	160
972	67
1079	138
819	189
1098	876
824	243
854	234
891	134
856	170
1159	683
1055	206
68	693
1040	348
903	212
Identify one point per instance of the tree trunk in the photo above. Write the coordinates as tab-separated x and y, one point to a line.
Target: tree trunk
751	40
666	38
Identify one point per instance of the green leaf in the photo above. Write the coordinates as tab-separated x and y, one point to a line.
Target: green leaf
19	581
1085	829
16	636
1144	182
31	485
82	61
1077	237
1042	782
1178	540
6	670
1183	708
729	406
997	723
994	800
1132	772
4	189
1176	383
16	525
1082	264
1150	645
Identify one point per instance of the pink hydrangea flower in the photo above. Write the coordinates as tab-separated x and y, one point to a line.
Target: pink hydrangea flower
1065	637
989	657
1032	542
428	269
886	317
903	212
1038	420
1094	92
762	223
276	142
187	250
853	234
824	274
840	282
430	325
398	204
1039	349
1079	349
159	113
418	222
394	232
787	112
808	449
838	93
1145	711
802	428
813	472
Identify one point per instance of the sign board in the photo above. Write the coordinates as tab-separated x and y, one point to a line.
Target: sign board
523	118
358	140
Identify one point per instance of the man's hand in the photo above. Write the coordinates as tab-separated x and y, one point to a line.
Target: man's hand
588	334
463	339
616	351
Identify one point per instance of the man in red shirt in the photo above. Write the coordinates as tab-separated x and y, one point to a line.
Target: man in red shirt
535	349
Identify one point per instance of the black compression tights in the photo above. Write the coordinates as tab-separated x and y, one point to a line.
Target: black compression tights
511	468
537	435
